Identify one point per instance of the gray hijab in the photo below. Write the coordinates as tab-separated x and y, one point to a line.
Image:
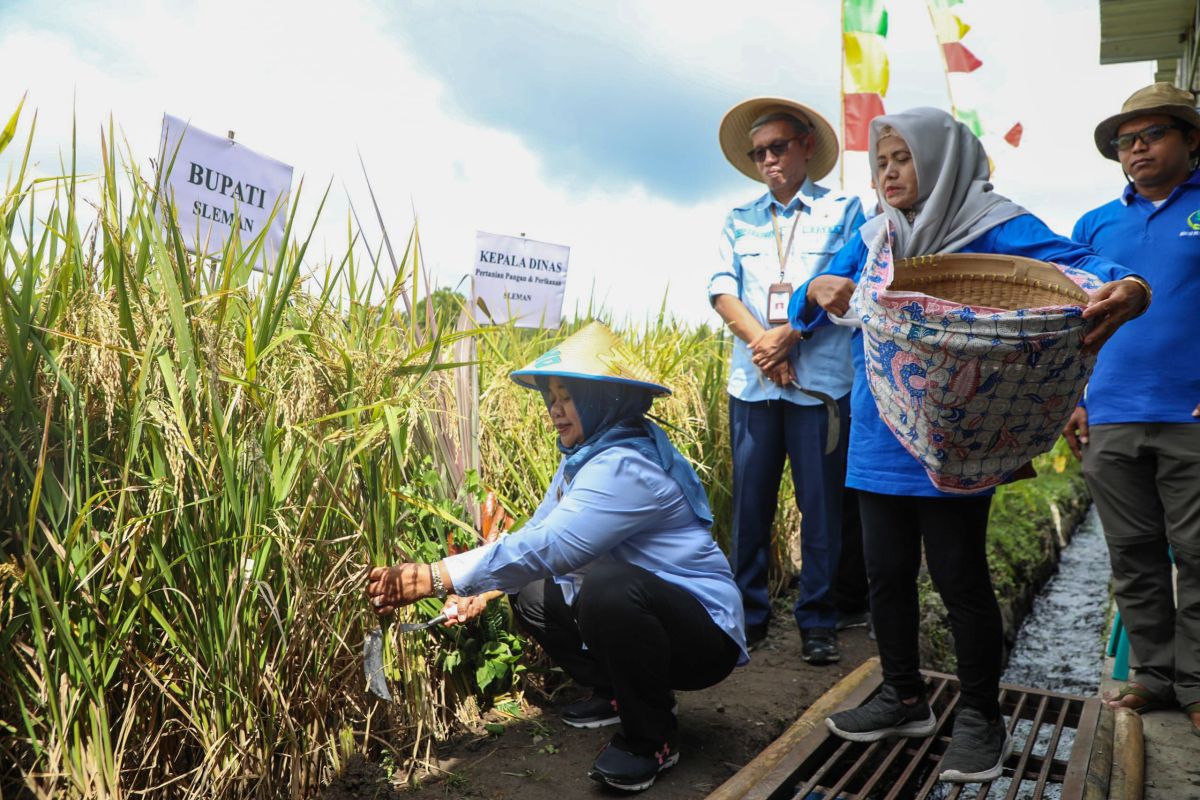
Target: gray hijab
955	203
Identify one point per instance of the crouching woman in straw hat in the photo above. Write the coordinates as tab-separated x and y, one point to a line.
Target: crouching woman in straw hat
616	574
932	179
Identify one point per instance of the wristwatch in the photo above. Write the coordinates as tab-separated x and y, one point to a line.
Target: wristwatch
435	577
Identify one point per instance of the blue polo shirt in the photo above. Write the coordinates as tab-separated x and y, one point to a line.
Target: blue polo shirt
877	461
750	264
1149	371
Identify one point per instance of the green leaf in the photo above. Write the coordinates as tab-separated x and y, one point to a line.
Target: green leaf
10	130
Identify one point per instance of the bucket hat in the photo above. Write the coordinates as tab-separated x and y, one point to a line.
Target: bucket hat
1157	98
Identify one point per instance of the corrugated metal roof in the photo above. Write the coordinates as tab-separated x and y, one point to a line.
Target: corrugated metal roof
1144	30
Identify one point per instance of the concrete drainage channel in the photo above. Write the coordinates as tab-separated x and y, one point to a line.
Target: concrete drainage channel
1065	740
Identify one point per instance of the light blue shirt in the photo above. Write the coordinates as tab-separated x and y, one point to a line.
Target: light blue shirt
620	506
750	258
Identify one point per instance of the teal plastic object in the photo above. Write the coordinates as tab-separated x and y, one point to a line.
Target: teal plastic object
1118	648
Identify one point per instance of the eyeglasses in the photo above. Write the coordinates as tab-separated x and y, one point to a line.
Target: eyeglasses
1148	136
777	148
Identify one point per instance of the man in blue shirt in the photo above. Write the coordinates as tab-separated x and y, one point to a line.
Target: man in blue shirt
768	246
1139	429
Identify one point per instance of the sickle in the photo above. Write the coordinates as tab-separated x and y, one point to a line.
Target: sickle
833	433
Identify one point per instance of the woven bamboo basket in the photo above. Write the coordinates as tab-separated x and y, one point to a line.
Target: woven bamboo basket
1004	283
974	360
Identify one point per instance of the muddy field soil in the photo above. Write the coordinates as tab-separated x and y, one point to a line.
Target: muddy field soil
540	758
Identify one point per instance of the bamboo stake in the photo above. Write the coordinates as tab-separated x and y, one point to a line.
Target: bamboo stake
945	64
1129	763
842	90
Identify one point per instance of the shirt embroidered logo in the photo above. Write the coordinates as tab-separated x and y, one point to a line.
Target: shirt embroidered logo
1193	220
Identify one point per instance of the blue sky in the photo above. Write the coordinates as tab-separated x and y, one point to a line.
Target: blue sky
592	124
601	108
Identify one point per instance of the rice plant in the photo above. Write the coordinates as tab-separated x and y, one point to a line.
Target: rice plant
196	470
197	464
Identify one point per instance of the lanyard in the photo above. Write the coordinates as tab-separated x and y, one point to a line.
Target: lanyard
783	254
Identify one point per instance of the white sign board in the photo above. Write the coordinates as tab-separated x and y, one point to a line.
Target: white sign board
216	183
520	279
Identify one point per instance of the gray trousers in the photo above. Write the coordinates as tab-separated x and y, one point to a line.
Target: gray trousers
1145	481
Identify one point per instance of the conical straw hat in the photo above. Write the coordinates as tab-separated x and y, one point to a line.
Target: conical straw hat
592	353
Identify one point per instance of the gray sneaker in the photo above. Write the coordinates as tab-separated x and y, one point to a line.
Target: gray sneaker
884	715
977	751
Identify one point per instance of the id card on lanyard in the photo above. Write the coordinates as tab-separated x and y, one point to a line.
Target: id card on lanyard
780	294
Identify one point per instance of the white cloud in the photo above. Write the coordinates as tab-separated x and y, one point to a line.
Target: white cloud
310	83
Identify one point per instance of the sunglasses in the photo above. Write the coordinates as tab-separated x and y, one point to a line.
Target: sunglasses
1148	136
777	148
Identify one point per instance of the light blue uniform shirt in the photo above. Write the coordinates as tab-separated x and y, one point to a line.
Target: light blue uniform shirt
751	264
620	506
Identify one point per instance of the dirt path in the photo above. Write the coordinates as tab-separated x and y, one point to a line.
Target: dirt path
720	729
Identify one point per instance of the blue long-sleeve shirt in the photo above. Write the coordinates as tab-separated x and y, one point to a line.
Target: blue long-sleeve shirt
1149	371
620	506
823	221
877	461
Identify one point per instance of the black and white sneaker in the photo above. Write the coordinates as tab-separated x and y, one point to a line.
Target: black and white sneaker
977	750
596	711
885	715
621	769
852	619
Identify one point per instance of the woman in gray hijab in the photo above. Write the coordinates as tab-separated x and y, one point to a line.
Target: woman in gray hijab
931	174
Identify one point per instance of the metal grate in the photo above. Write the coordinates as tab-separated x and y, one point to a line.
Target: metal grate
1052	742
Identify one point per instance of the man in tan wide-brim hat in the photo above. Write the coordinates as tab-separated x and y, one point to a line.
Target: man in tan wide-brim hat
1139	434
770	246
1157	99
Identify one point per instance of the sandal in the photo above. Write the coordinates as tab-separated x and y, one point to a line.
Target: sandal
1190	709
1152	702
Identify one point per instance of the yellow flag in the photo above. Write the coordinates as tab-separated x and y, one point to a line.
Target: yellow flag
948	27
866	67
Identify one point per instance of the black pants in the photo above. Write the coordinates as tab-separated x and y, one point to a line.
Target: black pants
644	638
850	593
954	531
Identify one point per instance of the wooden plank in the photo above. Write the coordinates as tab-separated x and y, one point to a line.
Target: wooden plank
1030	741
849	692
806	754
1052	750
926	744
1129	778
1090	768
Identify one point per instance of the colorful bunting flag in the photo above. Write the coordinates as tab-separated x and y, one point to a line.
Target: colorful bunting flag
859	110
948	27
959	58
1013	136
864	68
865	16
970	118
866	64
